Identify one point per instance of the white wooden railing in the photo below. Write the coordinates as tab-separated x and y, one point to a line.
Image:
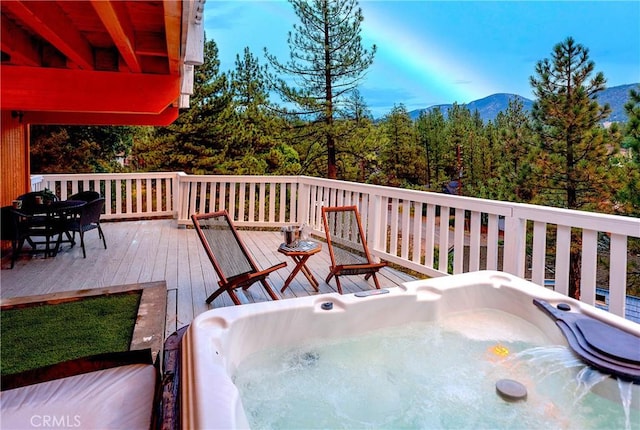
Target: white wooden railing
405	227
127	196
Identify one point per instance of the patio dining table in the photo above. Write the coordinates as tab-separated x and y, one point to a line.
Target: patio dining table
45	220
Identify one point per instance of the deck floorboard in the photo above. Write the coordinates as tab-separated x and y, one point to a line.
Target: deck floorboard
158	250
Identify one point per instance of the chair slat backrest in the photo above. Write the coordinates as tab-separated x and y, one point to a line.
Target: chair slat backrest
223	245
347	243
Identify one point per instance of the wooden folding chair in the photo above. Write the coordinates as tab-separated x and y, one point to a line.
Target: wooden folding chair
347	245
230	258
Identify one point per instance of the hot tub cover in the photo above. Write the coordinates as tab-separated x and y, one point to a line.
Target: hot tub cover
116	398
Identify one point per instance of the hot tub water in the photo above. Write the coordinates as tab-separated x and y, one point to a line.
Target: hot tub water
428	354
428	375
549	360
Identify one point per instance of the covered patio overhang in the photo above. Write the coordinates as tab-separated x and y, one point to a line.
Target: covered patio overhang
92	63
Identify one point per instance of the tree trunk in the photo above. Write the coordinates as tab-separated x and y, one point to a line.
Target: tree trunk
332	169
575	265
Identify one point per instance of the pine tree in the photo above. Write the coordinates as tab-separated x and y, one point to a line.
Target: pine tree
356	109
198	141
573	147
630	193
431	134
572	165
327	61
514	141
479	159
255	138
402	159
461	140
357	147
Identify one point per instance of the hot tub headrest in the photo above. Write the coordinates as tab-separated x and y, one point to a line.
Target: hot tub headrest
597	343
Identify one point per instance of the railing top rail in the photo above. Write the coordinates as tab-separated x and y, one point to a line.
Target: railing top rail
617	224
469	203
240	178
77	176
625	225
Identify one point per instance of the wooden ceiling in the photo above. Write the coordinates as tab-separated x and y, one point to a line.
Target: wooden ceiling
99	61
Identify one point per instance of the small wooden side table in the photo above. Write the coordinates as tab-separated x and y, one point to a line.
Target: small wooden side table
300	254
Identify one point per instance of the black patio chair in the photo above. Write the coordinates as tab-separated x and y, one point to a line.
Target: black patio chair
85	196
30	199
87	219
20	227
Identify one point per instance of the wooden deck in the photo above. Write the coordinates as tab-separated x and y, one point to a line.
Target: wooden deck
157	250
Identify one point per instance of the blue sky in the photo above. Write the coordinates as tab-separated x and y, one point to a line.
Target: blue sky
435	52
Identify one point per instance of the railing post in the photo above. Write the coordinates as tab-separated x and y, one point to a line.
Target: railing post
618	275
36	183
303	201
515	241
589	266
374	227
179	196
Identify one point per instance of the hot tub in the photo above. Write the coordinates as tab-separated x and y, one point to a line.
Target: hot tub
493	311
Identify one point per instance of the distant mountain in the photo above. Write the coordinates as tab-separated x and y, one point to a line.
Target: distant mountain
490	106
616	97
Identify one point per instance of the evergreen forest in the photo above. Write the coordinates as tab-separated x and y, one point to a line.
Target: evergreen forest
233	127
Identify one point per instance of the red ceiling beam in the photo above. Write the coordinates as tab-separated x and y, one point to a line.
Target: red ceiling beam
18	44
121	31
173	34
166	117
60	90
47	19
